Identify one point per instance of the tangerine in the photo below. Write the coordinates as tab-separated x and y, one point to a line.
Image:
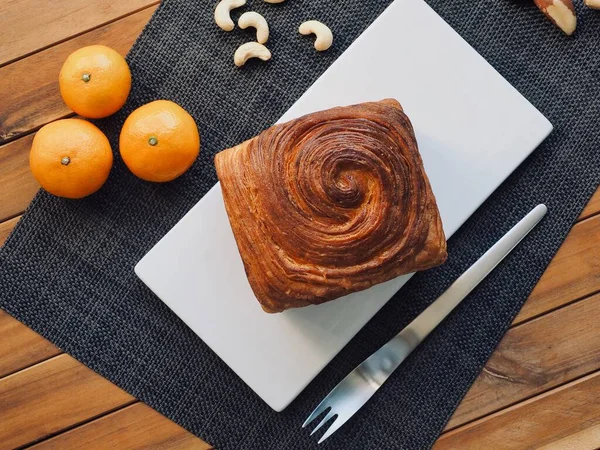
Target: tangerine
70	158
159	141
95	81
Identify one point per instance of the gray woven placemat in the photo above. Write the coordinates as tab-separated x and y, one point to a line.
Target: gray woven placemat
67	270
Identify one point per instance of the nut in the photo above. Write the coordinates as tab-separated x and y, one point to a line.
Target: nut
250	50
321	31
254	19
222	16
561	12
274	1
594	4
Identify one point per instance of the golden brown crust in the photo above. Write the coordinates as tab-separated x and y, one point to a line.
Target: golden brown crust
329	204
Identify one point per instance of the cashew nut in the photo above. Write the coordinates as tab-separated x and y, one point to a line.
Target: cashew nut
222	17
274	1
250	50
254	19
594	4
322	31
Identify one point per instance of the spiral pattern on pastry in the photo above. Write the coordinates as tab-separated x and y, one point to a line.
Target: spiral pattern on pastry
329	204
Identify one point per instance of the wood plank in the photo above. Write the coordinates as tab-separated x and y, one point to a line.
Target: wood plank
50	396
21	346
6	228
567	417
587	438
593	206
18	185
135	427
573	273
30	25
37	101
534	357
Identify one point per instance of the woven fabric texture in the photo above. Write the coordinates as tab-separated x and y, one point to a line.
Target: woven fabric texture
67	270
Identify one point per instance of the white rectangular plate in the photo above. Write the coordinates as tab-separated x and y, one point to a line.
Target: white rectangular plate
473	130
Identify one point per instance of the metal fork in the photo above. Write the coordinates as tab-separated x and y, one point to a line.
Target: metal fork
360	384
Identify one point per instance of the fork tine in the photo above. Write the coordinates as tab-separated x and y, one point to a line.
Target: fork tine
338	422
329	415
317	412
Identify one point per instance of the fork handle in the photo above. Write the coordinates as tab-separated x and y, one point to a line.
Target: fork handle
397	349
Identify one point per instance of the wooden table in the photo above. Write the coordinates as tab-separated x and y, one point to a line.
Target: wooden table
541	388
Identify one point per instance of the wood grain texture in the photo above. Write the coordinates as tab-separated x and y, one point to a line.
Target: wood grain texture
136	427
534	357
585	438
573	273
17	184
50	396
37	100
593	206
20	346
6	228
30	25
567	417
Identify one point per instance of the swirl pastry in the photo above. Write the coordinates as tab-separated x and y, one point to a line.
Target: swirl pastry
330	203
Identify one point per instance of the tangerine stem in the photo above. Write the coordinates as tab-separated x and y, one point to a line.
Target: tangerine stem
152	141
65	161
86	77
